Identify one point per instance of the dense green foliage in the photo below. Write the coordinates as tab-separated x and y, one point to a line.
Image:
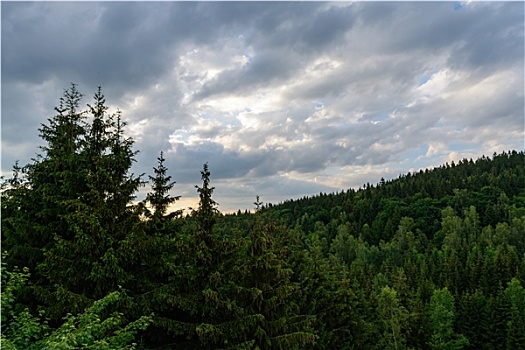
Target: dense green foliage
88	330
430	260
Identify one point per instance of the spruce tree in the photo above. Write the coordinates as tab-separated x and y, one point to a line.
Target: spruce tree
159	198
268	292
94	259
200	310
327	294
44	197
472	319
157	252
77	222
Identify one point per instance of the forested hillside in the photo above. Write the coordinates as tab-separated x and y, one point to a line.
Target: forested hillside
431	260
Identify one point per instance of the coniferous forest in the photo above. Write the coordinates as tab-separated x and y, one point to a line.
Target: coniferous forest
430	260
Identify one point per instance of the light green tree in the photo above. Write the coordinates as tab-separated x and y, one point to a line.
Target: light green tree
515	295
392	317
442	316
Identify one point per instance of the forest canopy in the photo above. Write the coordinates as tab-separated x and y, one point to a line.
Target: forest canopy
430	260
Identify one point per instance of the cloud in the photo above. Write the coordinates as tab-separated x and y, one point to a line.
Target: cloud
281	98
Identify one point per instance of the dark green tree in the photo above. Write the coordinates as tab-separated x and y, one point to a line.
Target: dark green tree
93	257
76	227
157	254
201	310
268	293
472	319
160	198
91	329
206	214
494	331
39	196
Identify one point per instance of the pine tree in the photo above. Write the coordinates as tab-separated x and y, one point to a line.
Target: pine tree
268	292
339	311
201	311
494	330
41	194
94	259
158	235
77	225
160	199
207	212
472	319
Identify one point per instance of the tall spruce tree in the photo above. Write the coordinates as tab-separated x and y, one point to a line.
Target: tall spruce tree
43	199
268	293
78	218
200	309
157	253
93	259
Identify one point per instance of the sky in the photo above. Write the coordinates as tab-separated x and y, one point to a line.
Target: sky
282	99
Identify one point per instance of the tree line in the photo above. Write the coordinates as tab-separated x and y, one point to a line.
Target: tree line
431	260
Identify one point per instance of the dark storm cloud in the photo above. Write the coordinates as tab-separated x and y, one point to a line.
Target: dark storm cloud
121	46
